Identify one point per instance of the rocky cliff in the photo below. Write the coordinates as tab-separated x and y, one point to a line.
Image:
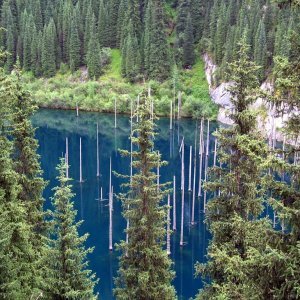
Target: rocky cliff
269	123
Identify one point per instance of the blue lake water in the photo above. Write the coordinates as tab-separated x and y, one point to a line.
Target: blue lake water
52	129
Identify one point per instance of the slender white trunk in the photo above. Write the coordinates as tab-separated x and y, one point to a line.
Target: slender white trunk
67	157
98	159
190	169
171	115
182	196
206	166
174	203
194	183
168	228
80	162
111	220
115	113
201	159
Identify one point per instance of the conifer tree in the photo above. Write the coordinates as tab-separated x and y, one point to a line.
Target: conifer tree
132	57
144	271
102	25
198	12
17	270
29	172
27	160
188	46
239	237
27	41
181	24
260	52
113	9
93	53
220	35
49	50
37	14
157	46
121	21
67	14
35	53
283	261
70	278
74	47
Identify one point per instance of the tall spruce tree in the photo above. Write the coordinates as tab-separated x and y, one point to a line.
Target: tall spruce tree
74	46
188	46
144	271
49	50
156	47
93	53
260	50
29	172
283	263
239	236
70	278
18	272
132	57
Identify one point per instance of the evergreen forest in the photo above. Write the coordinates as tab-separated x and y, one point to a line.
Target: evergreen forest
149	59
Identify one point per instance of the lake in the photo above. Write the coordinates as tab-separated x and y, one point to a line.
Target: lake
53	127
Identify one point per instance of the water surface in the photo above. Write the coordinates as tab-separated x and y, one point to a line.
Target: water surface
53	128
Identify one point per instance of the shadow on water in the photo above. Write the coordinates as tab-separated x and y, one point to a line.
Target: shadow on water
53	128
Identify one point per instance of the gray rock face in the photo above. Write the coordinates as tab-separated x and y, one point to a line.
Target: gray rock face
269	123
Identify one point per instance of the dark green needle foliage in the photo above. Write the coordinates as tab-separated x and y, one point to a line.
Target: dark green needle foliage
93	57
145	269
188	46
239	236
18	272
284	262
67	258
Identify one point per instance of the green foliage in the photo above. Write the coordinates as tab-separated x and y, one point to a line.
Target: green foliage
145	269
285	197
19	277
239	237
188	46
93	57
70	278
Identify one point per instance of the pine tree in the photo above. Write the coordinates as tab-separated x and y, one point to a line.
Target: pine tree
113	9
27	42
102	25
35	54
198	12
49	50
67	14
157	47
37	14
132	57
240	236
188	46
67	254
260	52
181	24
121	21
27	160
285	194
74	47
93	53
29	172
220	35
144	271
17	270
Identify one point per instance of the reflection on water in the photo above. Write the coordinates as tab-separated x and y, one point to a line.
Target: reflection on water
53	128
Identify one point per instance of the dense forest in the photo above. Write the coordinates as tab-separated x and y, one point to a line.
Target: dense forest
152	35
250	256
